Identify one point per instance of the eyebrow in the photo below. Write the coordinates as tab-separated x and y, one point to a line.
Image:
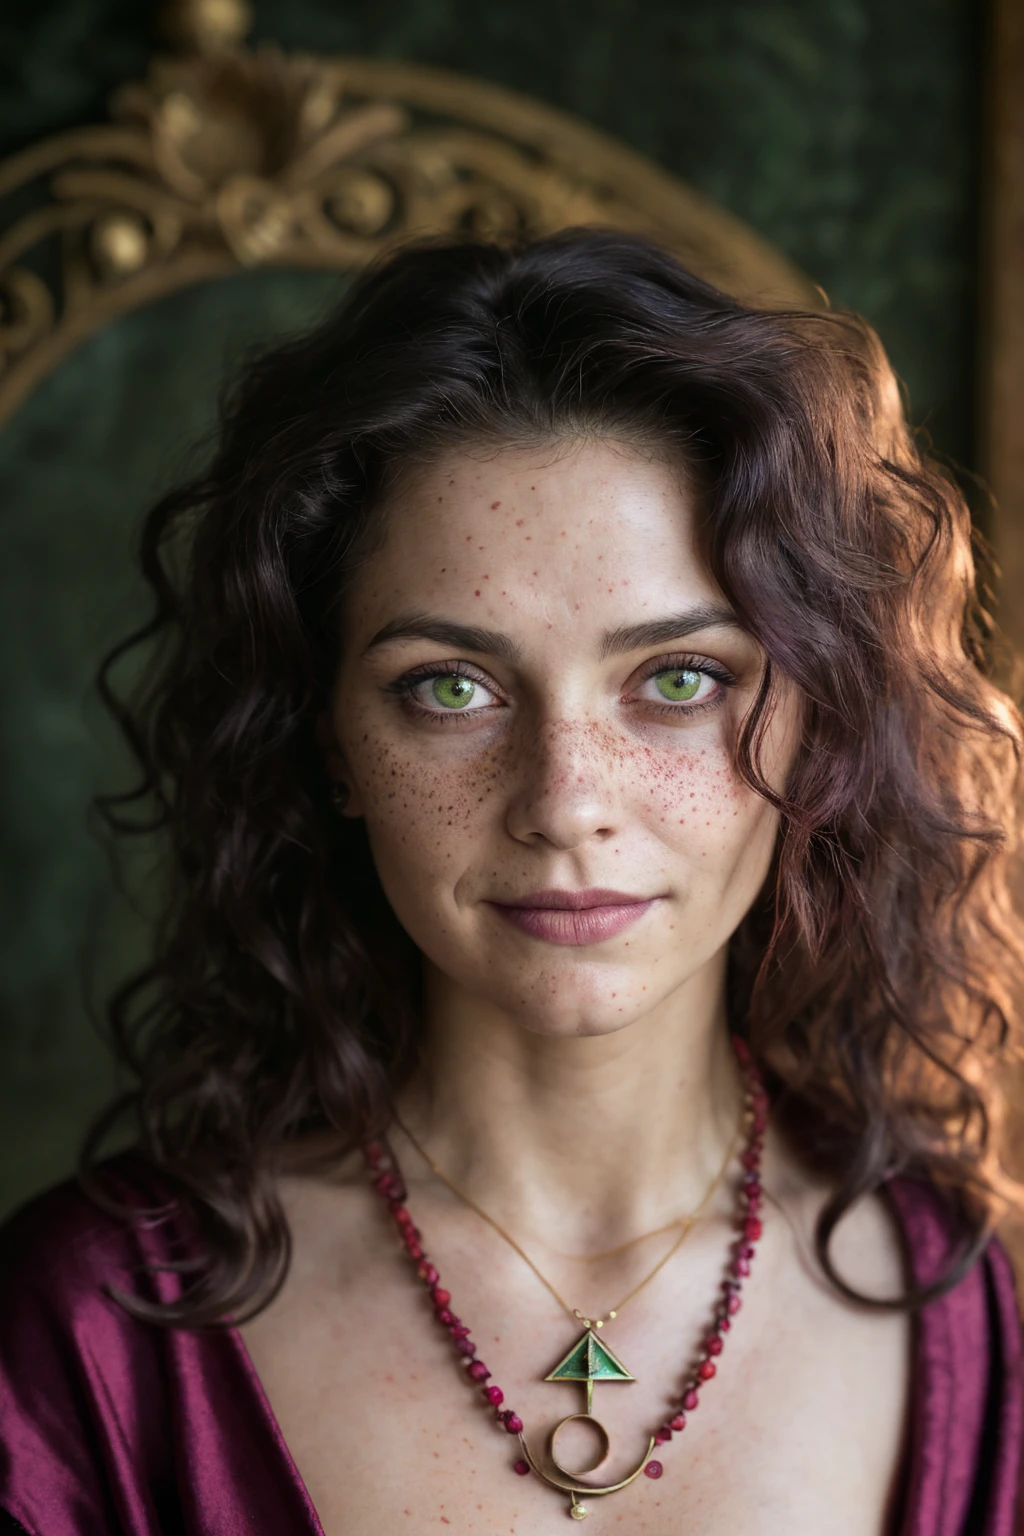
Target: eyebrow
614	642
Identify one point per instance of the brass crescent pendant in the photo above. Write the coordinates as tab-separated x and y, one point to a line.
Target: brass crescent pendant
588	1361
566	1483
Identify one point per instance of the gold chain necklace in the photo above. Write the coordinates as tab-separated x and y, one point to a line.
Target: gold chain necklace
590	1360
686	1222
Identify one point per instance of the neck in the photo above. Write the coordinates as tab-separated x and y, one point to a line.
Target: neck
583	1141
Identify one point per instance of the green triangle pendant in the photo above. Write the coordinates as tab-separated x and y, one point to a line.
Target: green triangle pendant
588	1360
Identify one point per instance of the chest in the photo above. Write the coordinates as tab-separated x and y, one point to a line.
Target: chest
803	1427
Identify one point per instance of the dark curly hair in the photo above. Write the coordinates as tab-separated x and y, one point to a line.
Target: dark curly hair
876	977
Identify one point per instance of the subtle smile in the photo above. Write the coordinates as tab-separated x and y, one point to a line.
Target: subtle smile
574	917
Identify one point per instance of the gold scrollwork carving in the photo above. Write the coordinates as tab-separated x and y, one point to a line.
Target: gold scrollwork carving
230	157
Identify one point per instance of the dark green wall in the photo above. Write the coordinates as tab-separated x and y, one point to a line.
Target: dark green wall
843	130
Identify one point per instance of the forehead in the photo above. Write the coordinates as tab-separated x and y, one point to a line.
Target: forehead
580	531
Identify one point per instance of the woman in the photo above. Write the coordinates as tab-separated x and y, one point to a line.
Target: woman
587	961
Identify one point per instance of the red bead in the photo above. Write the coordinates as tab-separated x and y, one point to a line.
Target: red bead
522	1467
385	1185
723	1325
741	1267
445	1317
415	1251
750	1159
513	1423
663	1435
690	1400
654	1469
459	1331
401	1215
746	1251
713	1344
373	1153
465	1347
495	1396
741	1048
478	1371
428	1273
733	1304
752	1229
706	1370
678	1423
440	1297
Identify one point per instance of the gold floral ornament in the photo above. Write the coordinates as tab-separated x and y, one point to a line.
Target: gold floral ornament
227	157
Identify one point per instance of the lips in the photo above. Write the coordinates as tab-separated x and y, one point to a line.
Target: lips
574	917
576	901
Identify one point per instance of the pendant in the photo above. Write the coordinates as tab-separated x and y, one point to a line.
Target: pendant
589	1360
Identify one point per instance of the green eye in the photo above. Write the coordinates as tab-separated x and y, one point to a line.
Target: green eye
453	691
679	685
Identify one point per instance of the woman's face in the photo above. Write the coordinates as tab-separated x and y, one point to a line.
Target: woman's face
540	692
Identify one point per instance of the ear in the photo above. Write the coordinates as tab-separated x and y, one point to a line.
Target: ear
336	762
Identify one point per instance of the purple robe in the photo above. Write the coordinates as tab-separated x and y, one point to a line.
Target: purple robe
111	1427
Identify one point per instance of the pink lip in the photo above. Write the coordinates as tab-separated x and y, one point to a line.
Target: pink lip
574	917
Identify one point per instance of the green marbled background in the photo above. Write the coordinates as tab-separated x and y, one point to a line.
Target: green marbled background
843	130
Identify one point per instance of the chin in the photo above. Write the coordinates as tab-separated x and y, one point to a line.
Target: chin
569	1006
580	1024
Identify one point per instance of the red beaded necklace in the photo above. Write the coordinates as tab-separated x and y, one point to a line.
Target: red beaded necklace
590	1360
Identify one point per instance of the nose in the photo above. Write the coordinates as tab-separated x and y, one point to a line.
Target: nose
564	792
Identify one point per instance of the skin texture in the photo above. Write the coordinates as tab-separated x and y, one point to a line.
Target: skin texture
582	1094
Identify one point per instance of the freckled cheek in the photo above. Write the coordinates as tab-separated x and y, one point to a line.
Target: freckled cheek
685	792
425	812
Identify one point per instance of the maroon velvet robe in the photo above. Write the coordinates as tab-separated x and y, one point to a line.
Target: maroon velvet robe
111	1427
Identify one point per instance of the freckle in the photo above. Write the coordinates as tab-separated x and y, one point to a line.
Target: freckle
477	592
495	505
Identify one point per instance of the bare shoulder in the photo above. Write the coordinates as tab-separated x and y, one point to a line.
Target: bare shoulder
867	1247
335	1230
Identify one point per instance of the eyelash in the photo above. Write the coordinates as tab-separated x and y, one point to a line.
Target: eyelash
404	686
